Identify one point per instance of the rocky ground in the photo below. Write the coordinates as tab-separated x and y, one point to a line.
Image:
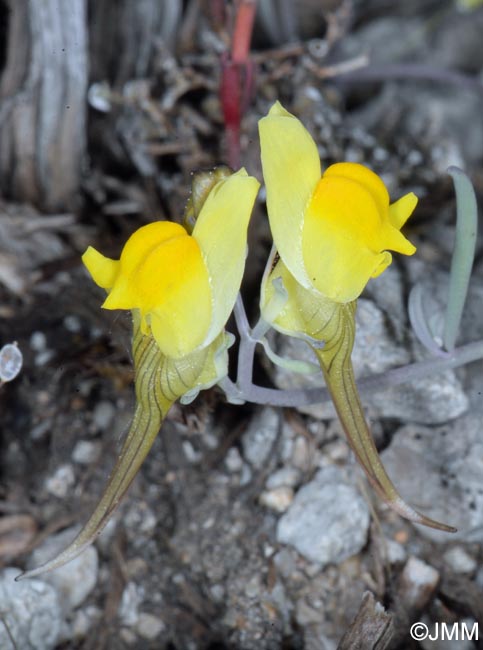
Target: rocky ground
249	527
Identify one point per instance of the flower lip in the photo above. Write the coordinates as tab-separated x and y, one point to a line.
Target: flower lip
162	273
347	232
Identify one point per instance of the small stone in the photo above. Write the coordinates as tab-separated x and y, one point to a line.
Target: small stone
209	523
285	562
419	577
327	521
31	614
128	636
136	568
430	400
233	460
258	439
129	607
268	550
11	361
38	341
62	480
338	451
252	588
84	620
103	415
210	440
72	324
192	454
284	477
246	474
459	561
218	593
140	519
396	553
86	452
75	580
301	454
148	626
278	499
43	358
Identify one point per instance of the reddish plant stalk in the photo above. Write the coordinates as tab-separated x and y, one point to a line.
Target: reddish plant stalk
237	78
242	32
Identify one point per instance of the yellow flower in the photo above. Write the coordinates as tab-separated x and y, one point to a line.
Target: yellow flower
332	231
184	286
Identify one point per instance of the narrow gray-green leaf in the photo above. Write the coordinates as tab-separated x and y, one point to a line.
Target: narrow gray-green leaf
463	254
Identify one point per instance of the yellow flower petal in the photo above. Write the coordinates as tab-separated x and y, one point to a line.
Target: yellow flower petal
162	274
221	232
141	242
291	169
102	269
394	240
346	231
341	238
365	177
402	209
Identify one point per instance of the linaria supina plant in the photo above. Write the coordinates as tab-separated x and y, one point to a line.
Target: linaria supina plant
331	232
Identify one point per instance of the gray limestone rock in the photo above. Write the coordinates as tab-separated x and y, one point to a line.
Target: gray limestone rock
31	613
439	471
75	580
327	521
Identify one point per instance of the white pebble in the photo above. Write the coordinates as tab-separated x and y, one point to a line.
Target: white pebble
396	553
43	358
11	361
129	607
192	455
284	477
233	460
459	561
86	452
61	481
103	415
149	626
72	324
278	499
38	341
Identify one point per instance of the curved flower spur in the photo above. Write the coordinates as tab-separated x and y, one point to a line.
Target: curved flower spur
181	289
332	233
